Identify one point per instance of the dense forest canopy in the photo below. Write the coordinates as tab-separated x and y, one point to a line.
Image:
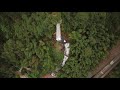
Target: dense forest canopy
26	40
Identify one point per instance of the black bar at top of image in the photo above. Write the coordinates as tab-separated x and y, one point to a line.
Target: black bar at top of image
58	5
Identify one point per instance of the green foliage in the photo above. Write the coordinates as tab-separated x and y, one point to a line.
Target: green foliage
90	40
31	37
27	41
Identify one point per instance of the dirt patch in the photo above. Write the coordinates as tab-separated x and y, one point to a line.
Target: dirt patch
48	76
